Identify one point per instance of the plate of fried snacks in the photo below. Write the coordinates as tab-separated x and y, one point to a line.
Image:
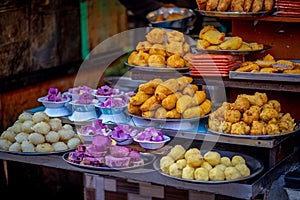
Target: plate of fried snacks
212	40
268	68
162	49
174	99
102	154
235	8
38	134
252	116
207	166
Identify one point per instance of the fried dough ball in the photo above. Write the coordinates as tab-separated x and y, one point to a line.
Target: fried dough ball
175	170
36	138
150	86
235	160
173	114
252	114
177	152
258	128
131	57
156	61
233	116
181	163
175	36
161	113
268	114
272	129
66	134
243	169
275	104
20	137
212	158
9	135
201	174
241	104
226	161
156	36
40	117
158	49
143	46
5	144
52	137
135	110
24	117
175	61
59	146
141	58
240	128
42	128
27	126
27	146
216	174
232	173
73	142
55	124
224	127
193	157
45	147
165	163
139	98
221	167
206	165
15	147
188	173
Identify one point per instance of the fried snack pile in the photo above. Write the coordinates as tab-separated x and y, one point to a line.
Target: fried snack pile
162	49
38	133
251	115
172	99
269	65
235	5
211	166
212	39
170	16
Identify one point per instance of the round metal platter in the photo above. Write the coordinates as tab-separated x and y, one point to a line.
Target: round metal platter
255	166
231	52
152	69
39	153
169	120
233	14
261	137
147	157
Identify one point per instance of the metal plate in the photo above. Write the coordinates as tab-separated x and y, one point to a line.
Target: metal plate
169	120
152	69
231	52
147	157
39	153
261	137
264	76
233	14
255	166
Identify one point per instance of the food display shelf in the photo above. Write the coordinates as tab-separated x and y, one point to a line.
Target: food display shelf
243	190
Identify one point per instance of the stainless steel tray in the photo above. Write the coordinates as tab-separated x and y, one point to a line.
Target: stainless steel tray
39	153
233	14
264	76
169	120
153	69
147	157
255	166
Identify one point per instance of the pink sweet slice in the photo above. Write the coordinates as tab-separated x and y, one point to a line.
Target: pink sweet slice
119	151
101	142
91	150
115	162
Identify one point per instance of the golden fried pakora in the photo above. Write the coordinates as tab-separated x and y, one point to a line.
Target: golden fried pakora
241	104
258	128
158	49
156	61
273	104
140	59
132	57
268	113
240	128
252	114
272	129
224	127
175	61
233	116
143	46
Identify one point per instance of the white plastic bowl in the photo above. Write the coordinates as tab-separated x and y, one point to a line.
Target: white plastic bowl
151	144
53	104
112	111
102	98
123	141
89	138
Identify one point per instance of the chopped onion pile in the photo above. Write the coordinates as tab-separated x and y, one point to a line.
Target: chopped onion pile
123	132
150	134
80	90
54	95
85	98
97	128
108	91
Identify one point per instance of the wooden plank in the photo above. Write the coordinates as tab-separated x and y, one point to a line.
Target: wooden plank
194	195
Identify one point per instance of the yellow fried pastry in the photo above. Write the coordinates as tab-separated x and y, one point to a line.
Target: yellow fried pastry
247	5
135	110
170	101
245	47
150	86
212	5
173	114
183	81
175	48
156	36
201	4
140	59
292	71
143	46
193	112
139	98
175	61
257	5
199	97
175	36
205	29
214	37
148	114
232	43
184	102
255	46
190	90
150	104
269	70
157	49
161	113
248	68
206	107
237	6
132	57
268	5
223	5
156	61
202	44
201	174
165	88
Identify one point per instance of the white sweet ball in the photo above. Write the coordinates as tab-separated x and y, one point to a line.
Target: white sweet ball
27	126
17	127
20	137
66	134
45	147
59	146
40	117
55	124
27	146
36	138
52	137
5	144
9	135
42	128
67	126
24	117
16	147
73	142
